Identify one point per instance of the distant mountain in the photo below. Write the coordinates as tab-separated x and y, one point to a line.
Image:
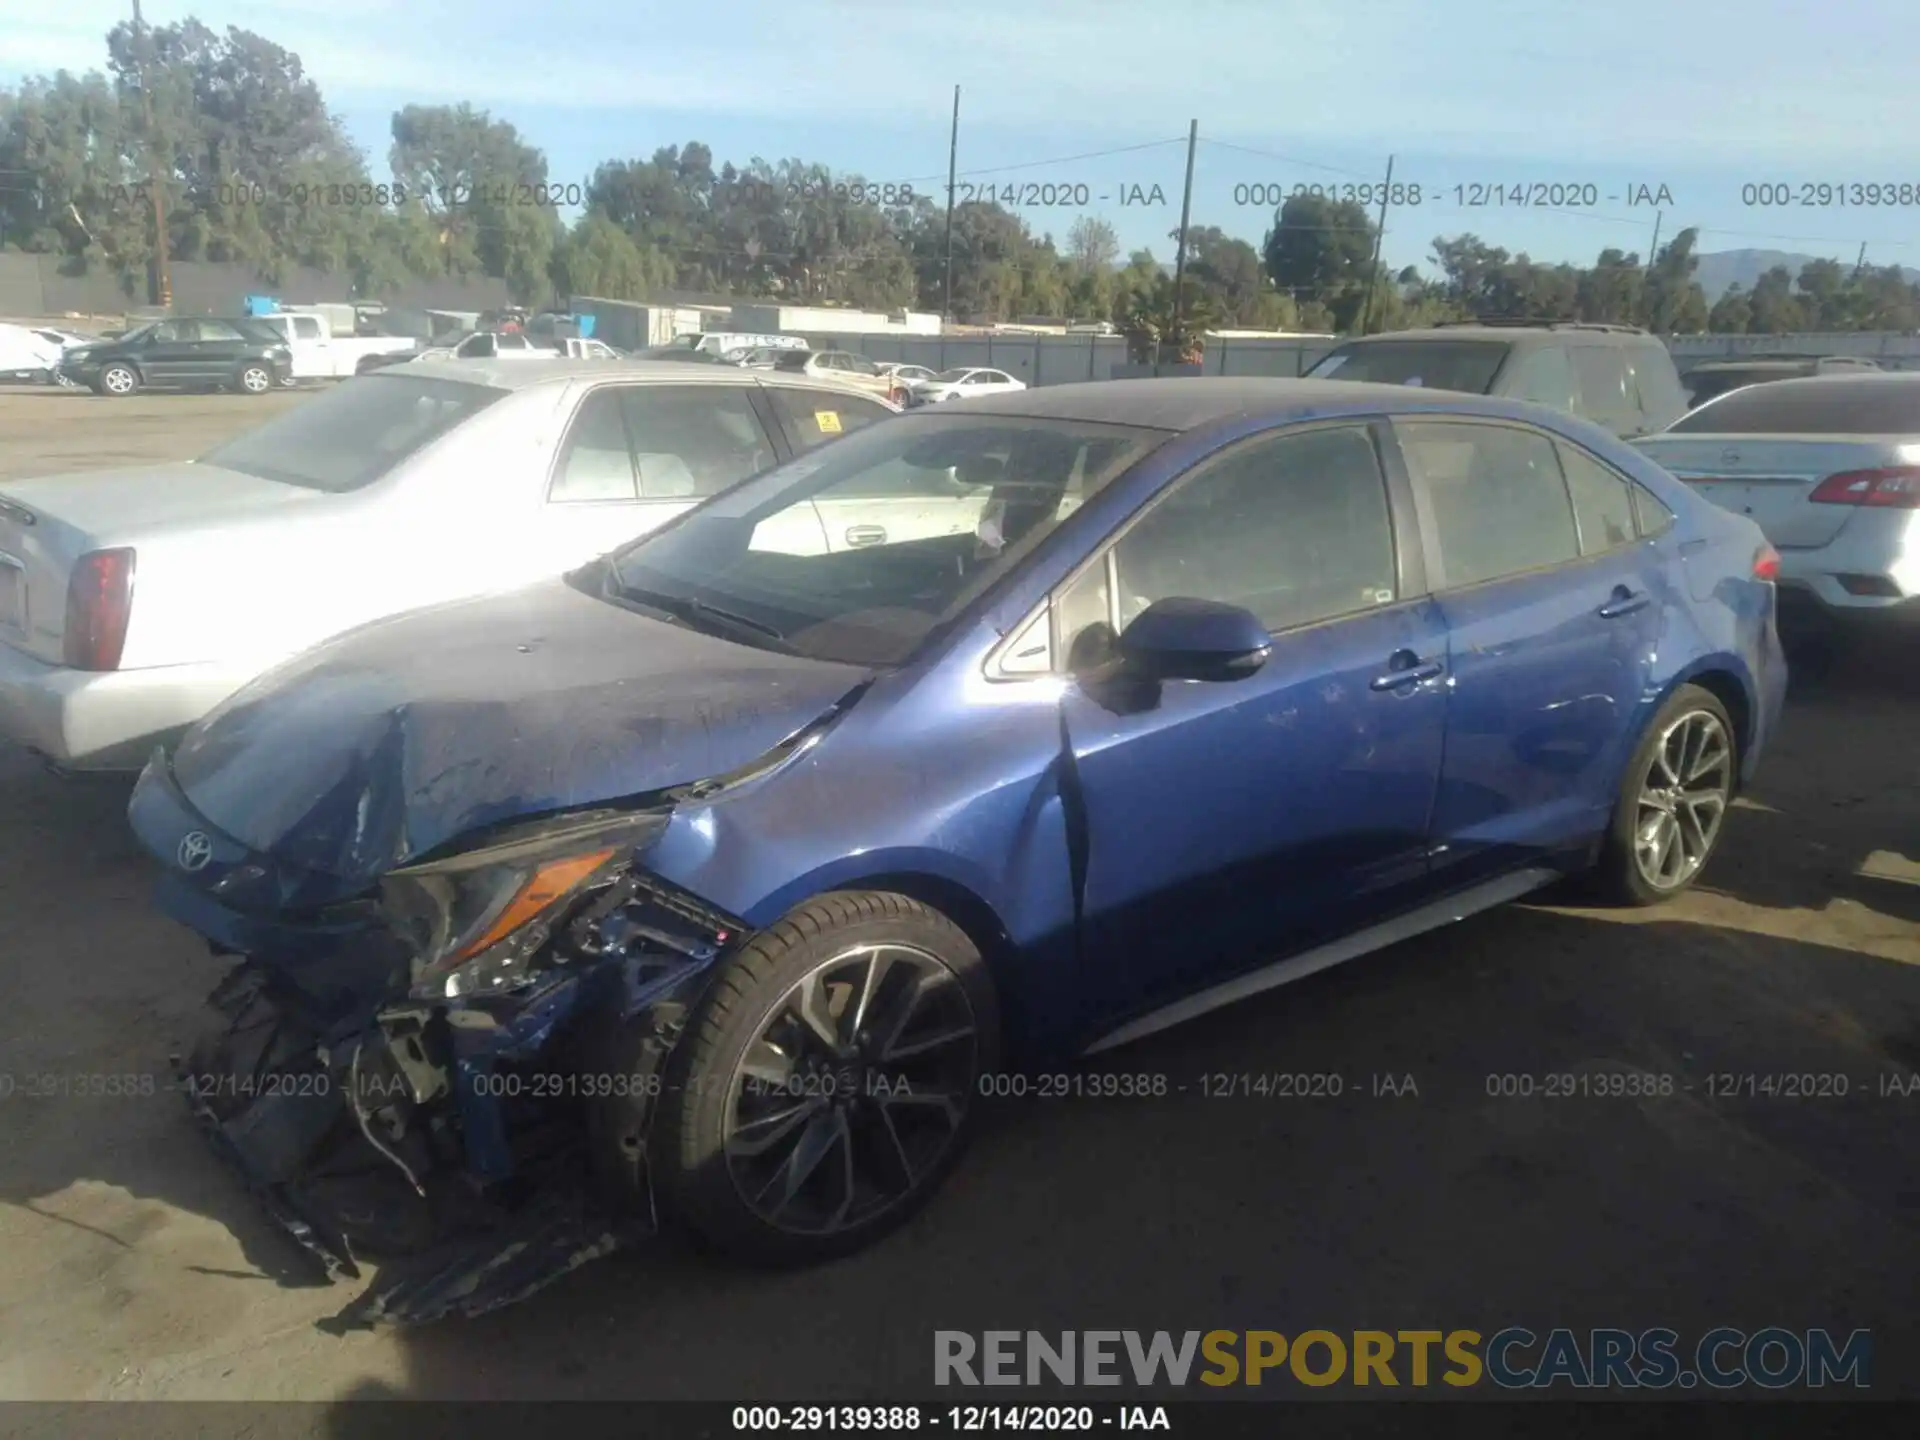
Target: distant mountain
1723	269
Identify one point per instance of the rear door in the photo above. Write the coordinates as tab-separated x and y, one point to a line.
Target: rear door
1553	607
220	349
635	456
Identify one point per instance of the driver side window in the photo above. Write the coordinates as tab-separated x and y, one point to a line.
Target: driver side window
1294	528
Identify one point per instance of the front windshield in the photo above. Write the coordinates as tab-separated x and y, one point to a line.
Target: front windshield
351	436
860	551
136	335
1463	365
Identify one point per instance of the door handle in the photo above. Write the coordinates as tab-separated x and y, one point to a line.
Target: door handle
1624	602
1406	668
859	535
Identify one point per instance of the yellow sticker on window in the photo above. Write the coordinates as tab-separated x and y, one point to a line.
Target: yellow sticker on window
828	421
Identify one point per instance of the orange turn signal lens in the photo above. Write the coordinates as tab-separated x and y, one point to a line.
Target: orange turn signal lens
552	882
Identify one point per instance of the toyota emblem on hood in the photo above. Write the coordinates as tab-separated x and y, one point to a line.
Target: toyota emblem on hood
195	851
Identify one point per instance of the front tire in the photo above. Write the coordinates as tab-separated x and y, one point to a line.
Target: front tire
1673	801
254	379
118	381
826	1082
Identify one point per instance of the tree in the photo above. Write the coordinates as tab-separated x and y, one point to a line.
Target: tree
484	189
1321	251
1093	245
1775	309
1732	313
1675	302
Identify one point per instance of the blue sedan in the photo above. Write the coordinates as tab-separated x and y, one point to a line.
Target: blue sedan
717	881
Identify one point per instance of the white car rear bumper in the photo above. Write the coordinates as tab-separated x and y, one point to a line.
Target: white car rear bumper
1877	551
111	720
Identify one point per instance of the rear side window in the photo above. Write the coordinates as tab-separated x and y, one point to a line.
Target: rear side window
1544	376
813	417
1823	405
1600	375
661	442
1652	375
1499	501
1602	502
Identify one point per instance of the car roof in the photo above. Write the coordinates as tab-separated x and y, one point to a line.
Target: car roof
1838	380
1783	362
1186	402
527	375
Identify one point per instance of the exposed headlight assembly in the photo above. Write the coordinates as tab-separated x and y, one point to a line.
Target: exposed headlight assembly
477	920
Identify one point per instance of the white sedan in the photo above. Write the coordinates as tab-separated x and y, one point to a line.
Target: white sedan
959	384
412	485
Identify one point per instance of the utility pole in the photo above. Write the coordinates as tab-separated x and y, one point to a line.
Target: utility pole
161	288
1379	238
1860	260
953	159
1180	245
1646	281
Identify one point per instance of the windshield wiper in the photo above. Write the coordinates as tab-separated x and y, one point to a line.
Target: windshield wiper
686	609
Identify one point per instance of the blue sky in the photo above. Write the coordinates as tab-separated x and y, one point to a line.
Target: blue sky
1699	96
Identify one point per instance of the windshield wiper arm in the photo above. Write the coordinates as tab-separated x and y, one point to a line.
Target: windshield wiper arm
686	607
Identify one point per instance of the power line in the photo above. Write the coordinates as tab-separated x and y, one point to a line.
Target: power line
1043	164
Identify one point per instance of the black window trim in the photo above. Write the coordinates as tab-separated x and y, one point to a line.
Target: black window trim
1402	524
1430	523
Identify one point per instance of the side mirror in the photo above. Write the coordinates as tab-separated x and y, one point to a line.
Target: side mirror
1180	638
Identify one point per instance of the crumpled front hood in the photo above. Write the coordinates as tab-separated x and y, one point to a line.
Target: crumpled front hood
396	738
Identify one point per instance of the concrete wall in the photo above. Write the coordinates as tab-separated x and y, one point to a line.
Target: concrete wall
35	286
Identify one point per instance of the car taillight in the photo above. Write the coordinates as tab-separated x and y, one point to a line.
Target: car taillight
1897	488
99	605
1766	563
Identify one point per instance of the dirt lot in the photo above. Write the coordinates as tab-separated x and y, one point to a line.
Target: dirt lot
131	1266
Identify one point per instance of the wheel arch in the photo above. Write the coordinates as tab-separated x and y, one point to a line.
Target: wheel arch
1724	679
959	898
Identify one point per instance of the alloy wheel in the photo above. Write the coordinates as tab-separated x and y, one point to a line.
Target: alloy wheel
1683	799
853	1090
118	380
255	381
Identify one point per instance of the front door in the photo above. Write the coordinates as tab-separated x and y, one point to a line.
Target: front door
171	355
1553	612
1231	822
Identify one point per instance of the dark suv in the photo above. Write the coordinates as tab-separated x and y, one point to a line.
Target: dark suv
187	354
1614	375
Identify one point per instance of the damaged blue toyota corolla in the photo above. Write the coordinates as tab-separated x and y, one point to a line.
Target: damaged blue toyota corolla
712	882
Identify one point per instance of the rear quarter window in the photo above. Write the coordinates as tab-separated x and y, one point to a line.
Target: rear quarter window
1827	405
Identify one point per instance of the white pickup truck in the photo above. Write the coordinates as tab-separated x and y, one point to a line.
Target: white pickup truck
319	354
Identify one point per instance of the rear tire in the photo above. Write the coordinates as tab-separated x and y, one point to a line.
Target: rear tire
1673	800
826	1083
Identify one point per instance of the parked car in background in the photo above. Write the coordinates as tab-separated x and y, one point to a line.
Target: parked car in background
1829	468
415	484
1715	377
1227	682
962	384
844	366
759	357
320	354
908	375
27	356
1619	377
31	354
187	354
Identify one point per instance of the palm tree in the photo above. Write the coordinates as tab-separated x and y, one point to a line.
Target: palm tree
1153	335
